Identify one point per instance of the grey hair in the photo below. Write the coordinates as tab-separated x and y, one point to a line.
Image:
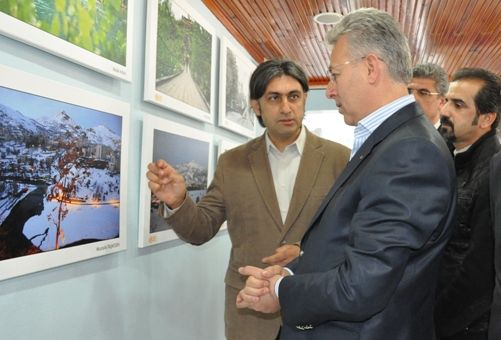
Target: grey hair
434	72
370	30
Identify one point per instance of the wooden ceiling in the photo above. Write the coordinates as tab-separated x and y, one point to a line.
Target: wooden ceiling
451	33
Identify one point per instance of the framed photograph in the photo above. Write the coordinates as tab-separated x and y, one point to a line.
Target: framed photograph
187	150
95	34
330	124
63	174
180	60
235	70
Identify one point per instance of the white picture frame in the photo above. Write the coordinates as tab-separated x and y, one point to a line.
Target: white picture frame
180	69
187	150
235	70
330	124
113	65
223	146
67	195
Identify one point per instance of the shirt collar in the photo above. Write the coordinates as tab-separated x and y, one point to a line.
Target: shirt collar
373	120
298	144
462	150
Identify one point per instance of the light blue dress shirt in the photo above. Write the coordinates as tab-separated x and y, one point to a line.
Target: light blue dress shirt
369	124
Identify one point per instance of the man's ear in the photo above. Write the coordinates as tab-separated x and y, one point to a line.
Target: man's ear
487	119
373	64
255	106
442	102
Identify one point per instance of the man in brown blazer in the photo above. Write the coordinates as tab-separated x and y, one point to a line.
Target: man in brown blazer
267	190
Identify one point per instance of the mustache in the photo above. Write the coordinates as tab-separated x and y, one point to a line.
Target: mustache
446	121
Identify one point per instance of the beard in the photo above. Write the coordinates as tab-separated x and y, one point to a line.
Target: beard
446	129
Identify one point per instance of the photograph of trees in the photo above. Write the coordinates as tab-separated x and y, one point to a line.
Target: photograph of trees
237	95
183	56
59	174
235	112
98	26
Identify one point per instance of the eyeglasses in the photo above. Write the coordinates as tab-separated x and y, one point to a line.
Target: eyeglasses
333	75
422	93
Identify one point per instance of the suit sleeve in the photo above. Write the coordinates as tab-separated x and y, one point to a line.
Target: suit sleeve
404	194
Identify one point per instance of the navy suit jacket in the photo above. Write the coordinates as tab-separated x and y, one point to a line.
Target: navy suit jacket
370	259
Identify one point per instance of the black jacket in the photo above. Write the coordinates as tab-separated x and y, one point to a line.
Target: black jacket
467	276
495	187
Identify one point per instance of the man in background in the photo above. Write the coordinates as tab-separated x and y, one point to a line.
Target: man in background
370	258
469	120
267	190
429	85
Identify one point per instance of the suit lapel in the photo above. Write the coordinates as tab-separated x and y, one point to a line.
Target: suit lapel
261	171
307	173
388	126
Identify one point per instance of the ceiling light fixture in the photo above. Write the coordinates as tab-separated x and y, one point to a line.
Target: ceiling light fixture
329	18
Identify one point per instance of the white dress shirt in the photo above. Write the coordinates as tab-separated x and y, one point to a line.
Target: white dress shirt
284	167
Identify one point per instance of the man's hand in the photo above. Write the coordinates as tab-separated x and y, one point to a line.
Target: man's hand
259	291
166	183
283	255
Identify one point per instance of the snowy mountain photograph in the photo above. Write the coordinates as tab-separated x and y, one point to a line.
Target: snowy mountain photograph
189	157
59	174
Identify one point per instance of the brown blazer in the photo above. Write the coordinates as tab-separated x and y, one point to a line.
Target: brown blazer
242	193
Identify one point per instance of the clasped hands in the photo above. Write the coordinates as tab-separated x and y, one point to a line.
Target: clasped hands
259	291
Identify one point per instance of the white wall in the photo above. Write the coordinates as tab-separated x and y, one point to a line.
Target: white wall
167	291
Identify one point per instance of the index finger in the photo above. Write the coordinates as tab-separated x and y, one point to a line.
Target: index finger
251	271
274	259
161	164
158	166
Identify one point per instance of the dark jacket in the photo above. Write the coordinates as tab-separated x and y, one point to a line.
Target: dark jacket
370	259
467	276
495	187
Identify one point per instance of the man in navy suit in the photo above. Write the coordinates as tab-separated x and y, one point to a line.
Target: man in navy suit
369	261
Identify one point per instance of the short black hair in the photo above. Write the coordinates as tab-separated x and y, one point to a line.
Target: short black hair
271	69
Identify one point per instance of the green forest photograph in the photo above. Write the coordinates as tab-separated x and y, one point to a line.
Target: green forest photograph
183	56
98	26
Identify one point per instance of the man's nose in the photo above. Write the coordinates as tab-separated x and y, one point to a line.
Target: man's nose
285	105
331	90
444	110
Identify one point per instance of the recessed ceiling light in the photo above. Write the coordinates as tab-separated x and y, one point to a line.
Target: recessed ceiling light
329	18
